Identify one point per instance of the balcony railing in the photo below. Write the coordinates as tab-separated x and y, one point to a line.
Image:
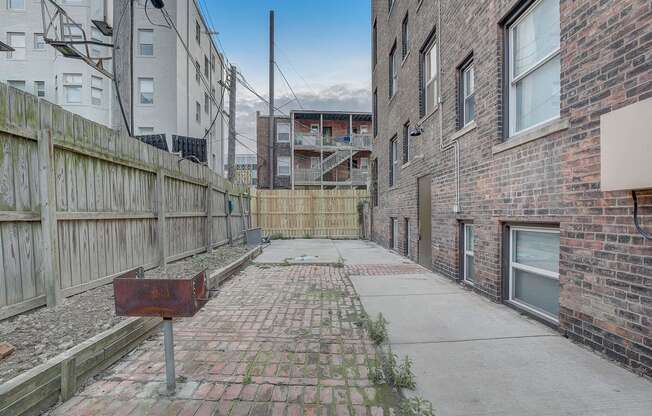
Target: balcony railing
311	177
358	141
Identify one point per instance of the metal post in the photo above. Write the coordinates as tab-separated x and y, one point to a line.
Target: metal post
270	160
168	340
232	103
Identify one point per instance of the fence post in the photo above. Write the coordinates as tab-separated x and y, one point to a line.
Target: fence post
50	249
68	378
229	231
209	211
242	213
160	213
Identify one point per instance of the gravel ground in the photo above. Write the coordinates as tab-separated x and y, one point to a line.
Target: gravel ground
195	264
43	333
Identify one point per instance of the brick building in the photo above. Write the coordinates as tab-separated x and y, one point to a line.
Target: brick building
487	156
316	150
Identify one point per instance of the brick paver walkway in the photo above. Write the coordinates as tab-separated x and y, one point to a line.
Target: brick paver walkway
276	340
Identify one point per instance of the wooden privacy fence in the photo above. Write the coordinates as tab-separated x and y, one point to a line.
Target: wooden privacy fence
80	204
308	213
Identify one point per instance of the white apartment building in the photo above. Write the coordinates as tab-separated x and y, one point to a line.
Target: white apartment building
171	88
37	68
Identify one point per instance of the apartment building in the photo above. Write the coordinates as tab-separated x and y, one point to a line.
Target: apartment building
489	118
172	89
37	68
316	150
246	169
177	92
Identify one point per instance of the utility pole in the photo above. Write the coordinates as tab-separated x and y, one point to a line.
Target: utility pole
231	149
270	142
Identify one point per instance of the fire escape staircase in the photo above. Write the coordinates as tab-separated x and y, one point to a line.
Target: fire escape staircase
334	160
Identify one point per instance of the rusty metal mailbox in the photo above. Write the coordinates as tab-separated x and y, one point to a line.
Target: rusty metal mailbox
167	298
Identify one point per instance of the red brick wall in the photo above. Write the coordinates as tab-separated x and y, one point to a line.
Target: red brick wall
605	266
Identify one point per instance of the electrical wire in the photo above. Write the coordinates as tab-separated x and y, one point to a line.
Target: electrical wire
640	229
288	84
150	20
294	68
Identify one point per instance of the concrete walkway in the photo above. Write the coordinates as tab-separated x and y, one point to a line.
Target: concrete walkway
475	357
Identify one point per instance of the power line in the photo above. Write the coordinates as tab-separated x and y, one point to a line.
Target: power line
295	70
288	84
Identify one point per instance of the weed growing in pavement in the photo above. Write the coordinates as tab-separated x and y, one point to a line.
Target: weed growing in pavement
386	370
377	329
416	406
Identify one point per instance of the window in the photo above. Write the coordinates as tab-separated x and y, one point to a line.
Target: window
467	89
146	42
374	182
393	72
314	162
405	37
407	155
374	109
408	237
206	103
16	4
96	36
364	163
197	112
283	133
206	66
534	270
19	85
374	45
39	88
533	56
146	90
197	32
314	128
213	62
39	43
17	41
97	90
145	130
72	88
283	166
393	162
393	237
468	267
197	71
429	77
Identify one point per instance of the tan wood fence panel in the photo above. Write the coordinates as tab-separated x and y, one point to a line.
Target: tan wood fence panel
308	213
80	204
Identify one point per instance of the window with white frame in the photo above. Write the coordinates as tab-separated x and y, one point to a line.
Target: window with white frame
146	42
467	89
16	4
468	261
314	128
429	81
97	90
534	270
18	84
197	112
39	43
146	90
39	88
393	72
17	41
533	54
206	66
393	161
364	163
197	32
72	88
283	132
314	162
394	233
206	103
283	166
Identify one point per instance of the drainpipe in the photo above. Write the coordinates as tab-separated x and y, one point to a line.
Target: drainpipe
454	144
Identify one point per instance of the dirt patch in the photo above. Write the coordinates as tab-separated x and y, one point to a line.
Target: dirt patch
192	265
43	333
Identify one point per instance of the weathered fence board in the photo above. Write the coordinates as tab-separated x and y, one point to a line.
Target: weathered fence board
307	213
101	199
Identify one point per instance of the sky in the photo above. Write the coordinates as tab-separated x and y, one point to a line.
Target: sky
322	46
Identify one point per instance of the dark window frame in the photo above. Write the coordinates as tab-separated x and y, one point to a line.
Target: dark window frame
393	170
406	237
393	68
430	40
374	45
405	35
406	142
374	109
466	63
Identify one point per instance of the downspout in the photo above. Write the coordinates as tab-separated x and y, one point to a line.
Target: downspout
454	144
